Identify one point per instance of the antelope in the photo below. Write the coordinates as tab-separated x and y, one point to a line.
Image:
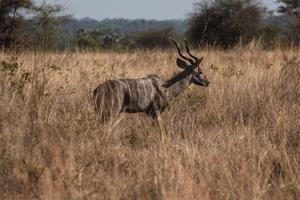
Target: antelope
149	94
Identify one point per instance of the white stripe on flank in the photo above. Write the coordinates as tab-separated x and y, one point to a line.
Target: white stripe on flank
117	91
137	86
145	97
150	98
120	84
111	93
129	91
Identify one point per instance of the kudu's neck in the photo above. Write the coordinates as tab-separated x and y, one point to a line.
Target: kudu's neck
178	84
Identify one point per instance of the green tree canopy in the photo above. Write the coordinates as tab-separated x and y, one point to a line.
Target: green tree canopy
12	21
45	23
291	7
224	22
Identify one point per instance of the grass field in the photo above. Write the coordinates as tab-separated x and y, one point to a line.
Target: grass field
237	139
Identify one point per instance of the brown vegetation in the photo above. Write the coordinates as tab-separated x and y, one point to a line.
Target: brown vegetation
237	139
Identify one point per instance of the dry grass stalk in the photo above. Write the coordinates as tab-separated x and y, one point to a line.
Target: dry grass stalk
237	139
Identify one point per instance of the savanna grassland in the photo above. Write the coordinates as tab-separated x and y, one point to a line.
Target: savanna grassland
237	139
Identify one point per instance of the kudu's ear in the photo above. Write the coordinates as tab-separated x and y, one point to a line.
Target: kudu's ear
181	64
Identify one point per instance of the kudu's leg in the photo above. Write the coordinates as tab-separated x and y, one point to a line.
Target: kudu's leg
160	124
156	116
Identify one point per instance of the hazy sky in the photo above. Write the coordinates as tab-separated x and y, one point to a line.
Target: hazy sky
134	9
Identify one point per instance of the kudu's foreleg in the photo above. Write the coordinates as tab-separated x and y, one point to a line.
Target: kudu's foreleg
156	116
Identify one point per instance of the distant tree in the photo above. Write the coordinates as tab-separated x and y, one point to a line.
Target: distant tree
272	36
12	21
46	25
154	38
105	36
291	8
88	40
224	22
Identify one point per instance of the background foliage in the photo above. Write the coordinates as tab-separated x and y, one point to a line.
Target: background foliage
292	9
220	23
224	23
12	22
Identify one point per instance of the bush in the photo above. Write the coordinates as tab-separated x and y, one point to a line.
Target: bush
104	37
224	22
292	33
88	40
271	36
155	38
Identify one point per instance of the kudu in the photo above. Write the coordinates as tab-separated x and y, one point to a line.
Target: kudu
149	94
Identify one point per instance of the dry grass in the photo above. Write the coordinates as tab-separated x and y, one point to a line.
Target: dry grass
237	139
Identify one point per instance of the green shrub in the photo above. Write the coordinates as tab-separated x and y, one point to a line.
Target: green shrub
223	23
155	38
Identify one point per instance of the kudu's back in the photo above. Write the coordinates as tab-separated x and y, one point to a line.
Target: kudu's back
129	95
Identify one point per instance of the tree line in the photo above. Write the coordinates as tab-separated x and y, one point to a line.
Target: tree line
221	23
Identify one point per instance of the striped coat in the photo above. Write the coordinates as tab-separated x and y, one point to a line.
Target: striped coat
130	95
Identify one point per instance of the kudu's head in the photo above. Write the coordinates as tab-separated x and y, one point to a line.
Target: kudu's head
197	76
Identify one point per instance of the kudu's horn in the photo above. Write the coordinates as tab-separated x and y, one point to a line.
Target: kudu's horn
188	50
179	51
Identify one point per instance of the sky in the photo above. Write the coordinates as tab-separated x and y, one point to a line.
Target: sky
134	9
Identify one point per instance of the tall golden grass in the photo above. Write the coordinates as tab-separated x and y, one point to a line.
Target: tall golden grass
237	139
